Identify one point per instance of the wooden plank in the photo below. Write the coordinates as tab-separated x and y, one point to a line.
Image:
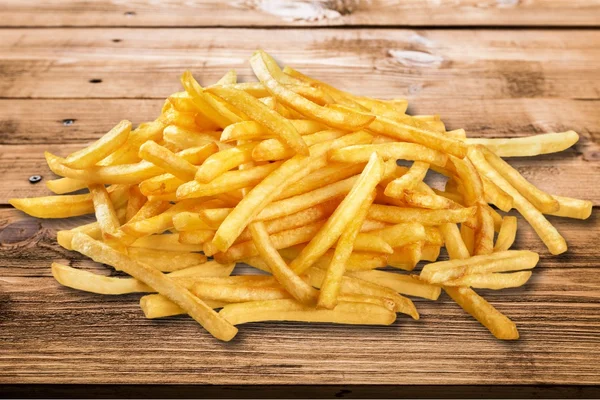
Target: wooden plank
66	121
451	64
178	13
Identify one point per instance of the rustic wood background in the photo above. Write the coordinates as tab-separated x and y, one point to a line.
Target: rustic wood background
70	69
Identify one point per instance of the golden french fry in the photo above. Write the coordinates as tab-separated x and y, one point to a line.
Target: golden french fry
200	236
528	145
198	310
135	202
511	260
472	187
493	281
493	194
66	206
183	138
230	78
331	285
402	234
237	293
167	242
398	215
89	282
572	208
548	233
172	163
291	310
507	234
454	242
128	152
97	151
484	234
158	306
166	261
406	257
273	149
430	252
497	323
429	201
468	236
105	212
404	151
65	185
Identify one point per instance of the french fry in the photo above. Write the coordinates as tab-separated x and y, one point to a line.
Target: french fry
158	306
430	252
66	206
223	161
507	234
65	185
511	260
167	242
472	187
105	212
330	287
293	284
89	282
198	310
403	151
166	261
548	233
135	202
252	130
402	234
498	324
484	234
493	281
529	145
199	236
128	152
429	201
540	200
398	215
209	269
97	151
572	208
493	194
468	236
229	293
453	241
290	310
406	257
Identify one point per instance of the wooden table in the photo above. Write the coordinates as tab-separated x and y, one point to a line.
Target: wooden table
70	70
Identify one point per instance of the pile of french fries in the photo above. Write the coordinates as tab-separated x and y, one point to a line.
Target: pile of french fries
299	180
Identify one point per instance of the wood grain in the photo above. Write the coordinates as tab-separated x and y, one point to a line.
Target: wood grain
75	337
283	13
453	64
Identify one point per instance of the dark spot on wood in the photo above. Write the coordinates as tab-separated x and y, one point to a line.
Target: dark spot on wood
35	179
522	79
343	393
95	80
117	40
9	126
68	121
19	231
129	13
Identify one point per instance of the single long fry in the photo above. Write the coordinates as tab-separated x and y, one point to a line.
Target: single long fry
397	215
89	282
105	211
498	324
198	310
404	151
548	233
166	261
65	185
511	260
108	143
528	145
294	285
158	306
415	174
172	163
484	234
572	208
507	234
273	149
290	310
454	243
409	285
493	281
493	194
168	242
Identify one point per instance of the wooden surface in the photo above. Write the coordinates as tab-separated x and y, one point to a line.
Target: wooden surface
492	82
